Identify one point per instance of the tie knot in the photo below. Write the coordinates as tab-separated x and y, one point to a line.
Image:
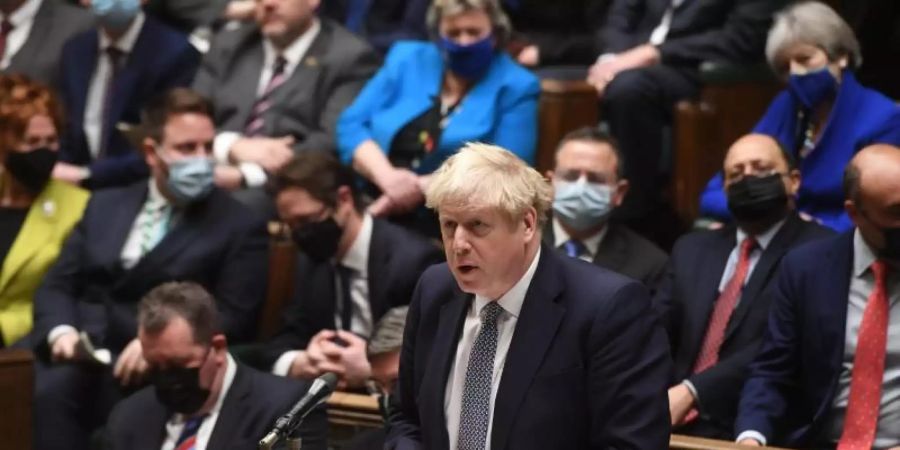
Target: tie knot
747	245
490	313
5	27
279	65
879	269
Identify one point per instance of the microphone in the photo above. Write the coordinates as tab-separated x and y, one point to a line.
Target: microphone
321	389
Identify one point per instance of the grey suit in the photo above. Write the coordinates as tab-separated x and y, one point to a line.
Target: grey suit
53	25
307	105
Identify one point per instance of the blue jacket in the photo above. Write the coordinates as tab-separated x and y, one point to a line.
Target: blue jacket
860	116
500	109
161	59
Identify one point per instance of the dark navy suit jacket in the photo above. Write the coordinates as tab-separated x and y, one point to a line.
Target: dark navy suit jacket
216	243
161	59
587	367
686	299
794	377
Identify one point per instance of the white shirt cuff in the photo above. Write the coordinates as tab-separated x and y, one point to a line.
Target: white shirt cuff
690	386
283	366
752	434
58	331
222	145
254	175
606	57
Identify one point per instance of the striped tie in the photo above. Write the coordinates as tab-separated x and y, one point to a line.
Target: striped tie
188	438
255	122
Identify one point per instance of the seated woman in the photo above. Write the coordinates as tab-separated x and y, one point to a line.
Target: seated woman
824	116
36	213
430	98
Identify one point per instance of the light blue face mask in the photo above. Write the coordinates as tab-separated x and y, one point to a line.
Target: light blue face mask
190	179
581	205
115	14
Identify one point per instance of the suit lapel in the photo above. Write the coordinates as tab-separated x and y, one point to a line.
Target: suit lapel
245	78
305	74
537	324
707	286
612	252
232	410
119	222
81	75
39	227
379	262
155	418
33	45
434	384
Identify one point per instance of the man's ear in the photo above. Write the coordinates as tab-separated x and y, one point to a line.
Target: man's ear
529	220
619	194
148	147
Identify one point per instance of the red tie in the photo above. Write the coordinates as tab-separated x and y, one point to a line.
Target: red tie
861	419
715	331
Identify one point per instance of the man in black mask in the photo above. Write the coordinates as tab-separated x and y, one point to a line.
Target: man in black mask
714	298
199	397
351	270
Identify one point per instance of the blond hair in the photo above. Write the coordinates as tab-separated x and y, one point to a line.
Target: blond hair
502	27
487	176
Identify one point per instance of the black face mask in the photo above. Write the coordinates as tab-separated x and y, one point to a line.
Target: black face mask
179	389
319	240
758	199
31	169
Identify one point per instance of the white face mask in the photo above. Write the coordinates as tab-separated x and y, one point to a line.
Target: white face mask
582	205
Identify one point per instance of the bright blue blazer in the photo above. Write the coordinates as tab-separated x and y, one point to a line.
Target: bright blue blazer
500	109
860	117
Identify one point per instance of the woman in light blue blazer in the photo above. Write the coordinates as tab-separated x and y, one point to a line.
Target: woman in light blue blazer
430	98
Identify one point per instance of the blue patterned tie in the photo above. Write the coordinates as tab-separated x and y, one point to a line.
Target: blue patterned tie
476	402
188	438
575	248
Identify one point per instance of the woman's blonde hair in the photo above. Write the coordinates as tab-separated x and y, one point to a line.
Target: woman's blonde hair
488	176
502	27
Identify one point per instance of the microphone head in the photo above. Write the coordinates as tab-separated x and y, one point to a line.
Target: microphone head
330	380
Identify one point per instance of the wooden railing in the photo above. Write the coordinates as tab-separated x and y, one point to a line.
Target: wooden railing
16	388
356	410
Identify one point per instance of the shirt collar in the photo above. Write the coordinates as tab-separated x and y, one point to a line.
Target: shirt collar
294	52
512	300
127	41
25	13
357	257
863	256
763	239
591	243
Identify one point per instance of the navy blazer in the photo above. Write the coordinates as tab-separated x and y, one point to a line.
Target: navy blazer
794	377
686	299
161	59
216	243
572	378
251	407
397	257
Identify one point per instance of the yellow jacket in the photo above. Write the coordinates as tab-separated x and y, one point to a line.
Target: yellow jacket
48	222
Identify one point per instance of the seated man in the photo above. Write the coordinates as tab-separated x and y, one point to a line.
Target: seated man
177	226
110	75
650	57
199	394
35	31
716	294
588	184
277	87
827	370
512	346
352	269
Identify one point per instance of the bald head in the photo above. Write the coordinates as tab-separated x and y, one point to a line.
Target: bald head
872	189
754	153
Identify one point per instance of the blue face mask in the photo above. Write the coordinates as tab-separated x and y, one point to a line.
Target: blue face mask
581	205
468	61
812	88
115	14
190	179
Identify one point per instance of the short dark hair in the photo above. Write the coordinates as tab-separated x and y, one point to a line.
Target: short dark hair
172	102
850	183
184	299
317	172
596	136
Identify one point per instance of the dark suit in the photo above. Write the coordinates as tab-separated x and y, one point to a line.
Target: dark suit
54	24
572	378
794	377
161	59
627	253
686	299
251	407
564	32
638	104
307	105
397	258
215	243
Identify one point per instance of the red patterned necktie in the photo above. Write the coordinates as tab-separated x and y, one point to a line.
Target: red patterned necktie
861	419
262	104
718	322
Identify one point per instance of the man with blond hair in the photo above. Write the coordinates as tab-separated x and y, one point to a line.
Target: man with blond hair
511	346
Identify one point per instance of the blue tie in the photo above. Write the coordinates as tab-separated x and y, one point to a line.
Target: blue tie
575	248
476	403
188	438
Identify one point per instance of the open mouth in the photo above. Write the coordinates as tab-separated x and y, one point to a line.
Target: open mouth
465	269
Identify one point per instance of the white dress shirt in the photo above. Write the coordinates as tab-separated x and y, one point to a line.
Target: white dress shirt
361	323
176	423
592	243
658	35
511	302
93	109
21	19
254	175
